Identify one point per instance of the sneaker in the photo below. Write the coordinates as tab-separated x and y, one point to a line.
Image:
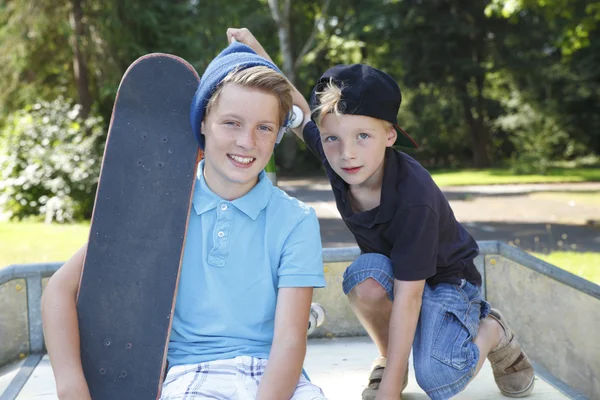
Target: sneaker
375	379
513	371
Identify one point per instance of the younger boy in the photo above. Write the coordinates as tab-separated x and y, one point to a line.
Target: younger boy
415	283
251	259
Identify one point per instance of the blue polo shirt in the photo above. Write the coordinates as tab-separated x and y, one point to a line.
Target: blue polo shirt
237	255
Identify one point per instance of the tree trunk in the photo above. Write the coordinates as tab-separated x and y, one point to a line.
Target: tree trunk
281	16
479	136
79	64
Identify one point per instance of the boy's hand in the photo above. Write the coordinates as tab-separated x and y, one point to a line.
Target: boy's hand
246	37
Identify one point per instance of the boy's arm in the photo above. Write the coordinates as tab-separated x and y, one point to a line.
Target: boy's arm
408	296
243	35
289	344
300	270
61	329
414	256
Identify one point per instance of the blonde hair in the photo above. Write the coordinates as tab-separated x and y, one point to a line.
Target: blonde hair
330	102
387	125
262	78
330	99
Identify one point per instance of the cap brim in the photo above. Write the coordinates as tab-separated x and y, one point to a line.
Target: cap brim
404	140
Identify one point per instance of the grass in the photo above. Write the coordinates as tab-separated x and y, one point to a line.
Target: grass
585	265
33	242
495	176
574	198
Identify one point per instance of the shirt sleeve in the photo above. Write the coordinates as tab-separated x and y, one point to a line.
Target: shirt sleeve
302	256
312	138
415	249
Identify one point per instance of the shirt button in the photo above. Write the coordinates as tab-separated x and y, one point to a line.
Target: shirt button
221	234
223	207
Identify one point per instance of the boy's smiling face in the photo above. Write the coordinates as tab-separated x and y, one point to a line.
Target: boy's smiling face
355	147
240	130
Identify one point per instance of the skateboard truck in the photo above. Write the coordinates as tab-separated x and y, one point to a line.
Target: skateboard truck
316	317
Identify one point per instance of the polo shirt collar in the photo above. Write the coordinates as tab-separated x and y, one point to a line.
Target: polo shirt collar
256	200
251	204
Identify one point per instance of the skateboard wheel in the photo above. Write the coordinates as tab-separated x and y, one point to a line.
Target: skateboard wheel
319	311
316	317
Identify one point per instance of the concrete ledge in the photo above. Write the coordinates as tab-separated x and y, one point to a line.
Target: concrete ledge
554	312
556	323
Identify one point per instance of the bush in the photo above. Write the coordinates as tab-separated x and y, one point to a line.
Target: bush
432	118
49	162
537	138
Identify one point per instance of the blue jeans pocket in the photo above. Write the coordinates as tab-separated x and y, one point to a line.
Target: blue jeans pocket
452	344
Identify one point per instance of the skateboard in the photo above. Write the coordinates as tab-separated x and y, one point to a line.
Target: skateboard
131	270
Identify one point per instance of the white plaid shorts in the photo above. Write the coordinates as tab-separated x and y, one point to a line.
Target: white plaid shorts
232	379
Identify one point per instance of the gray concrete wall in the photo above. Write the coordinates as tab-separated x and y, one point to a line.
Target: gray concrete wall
557	325
340	320
14	328
20	312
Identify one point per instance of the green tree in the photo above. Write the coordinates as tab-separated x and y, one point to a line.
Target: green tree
551	54
449	44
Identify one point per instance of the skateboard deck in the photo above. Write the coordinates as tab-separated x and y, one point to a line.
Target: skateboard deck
129	281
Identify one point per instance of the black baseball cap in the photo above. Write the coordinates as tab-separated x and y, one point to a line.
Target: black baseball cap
365	91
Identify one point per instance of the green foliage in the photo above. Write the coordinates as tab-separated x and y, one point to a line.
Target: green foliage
49	162
432	119
34	52
536	138
508	82
572	20
560	83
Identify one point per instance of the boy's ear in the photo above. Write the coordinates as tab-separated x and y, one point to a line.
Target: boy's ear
202	127
392	135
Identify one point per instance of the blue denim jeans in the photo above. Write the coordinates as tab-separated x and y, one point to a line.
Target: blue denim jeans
444	354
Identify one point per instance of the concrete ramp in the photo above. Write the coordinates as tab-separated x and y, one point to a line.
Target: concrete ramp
555	314
339	366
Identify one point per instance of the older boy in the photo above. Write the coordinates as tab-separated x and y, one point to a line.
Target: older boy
252	255
415	283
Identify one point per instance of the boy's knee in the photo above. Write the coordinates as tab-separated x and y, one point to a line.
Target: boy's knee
369	278
369	292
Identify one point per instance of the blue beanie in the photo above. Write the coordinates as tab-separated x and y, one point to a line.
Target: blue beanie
236	56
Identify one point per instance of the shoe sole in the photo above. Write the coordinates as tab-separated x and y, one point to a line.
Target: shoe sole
523	393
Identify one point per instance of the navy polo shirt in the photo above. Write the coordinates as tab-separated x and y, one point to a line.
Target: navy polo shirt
413	225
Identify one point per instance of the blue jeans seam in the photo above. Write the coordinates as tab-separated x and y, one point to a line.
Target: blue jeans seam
452	388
